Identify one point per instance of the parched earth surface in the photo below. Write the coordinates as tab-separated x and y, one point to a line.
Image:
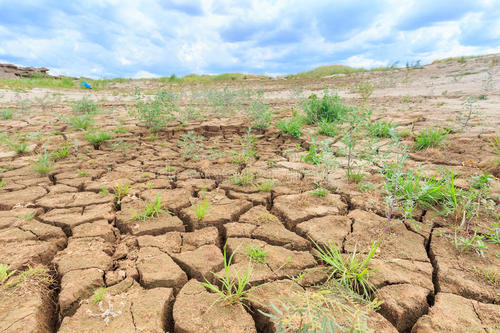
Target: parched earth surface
71	223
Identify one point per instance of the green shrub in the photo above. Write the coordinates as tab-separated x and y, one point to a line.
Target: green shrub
329	108
157	113
291	126
260	115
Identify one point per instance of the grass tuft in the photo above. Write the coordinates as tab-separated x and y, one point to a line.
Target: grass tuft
233	289
349	271
151	210
430	138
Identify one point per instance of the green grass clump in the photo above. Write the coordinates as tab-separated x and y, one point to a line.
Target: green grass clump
44	164
256	254
242	179
156	113
413	190
97	138
99	294
119	191
62	152
37	275
81	121
17	144
349	271
201	209
329	108
260	115
481	181
6	114
320	192
382	129
151	210
327	308
291	126
233	289
355	176
4	273
430	137
85	106
313	155
328	128
265	186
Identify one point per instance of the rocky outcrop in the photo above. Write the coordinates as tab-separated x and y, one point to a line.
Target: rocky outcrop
10	71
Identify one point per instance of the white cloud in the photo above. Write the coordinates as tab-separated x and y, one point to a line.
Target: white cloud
364	62
144	75
129	38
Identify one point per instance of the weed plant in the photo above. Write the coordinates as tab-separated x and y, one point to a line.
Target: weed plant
6	114
260	115
256	254
430	137
242	179
320	192
156	113
329	108
97	138
85	105
62	152
330	129
5	274
81	121
44	164
350	272
17	144
99	294
120	191
201	209
152	209
382	129
324	309
265	186
313	155
292	127
192	145
234	288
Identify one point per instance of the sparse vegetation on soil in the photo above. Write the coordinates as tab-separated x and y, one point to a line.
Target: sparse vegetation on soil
364	201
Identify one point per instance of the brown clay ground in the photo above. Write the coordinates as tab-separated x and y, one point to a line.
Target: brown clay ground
66	224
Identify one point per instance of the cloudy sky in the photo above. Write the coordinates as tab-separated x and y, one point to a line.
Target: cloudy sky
128	38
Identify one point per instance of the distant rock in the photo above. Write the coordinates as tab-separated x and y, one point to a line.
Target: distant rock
9	71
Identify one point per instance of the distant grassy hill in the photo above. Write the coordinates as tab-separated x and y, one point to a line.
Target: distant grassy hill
331	70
